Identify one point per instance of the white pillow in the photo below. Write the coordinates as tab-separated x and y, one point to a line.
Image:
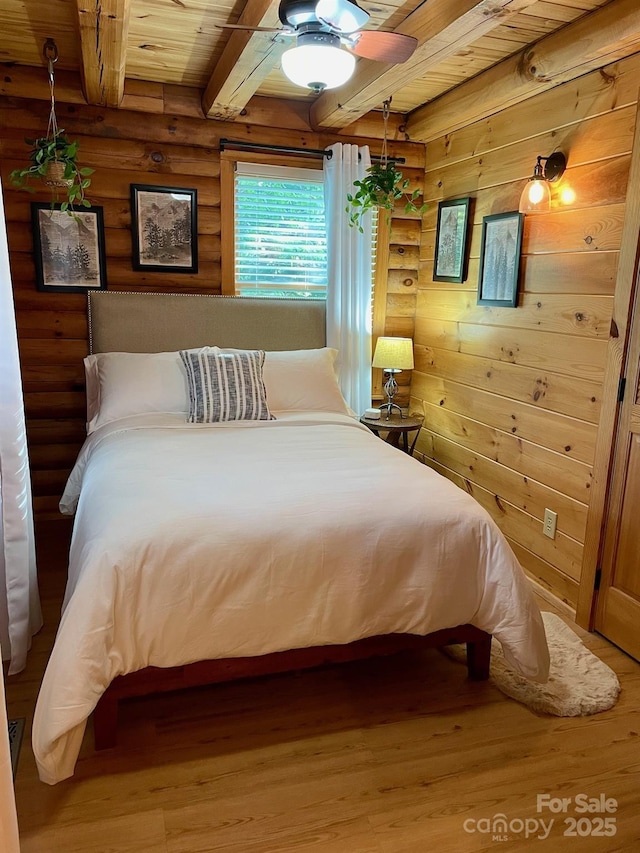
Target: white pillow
120	384
303	380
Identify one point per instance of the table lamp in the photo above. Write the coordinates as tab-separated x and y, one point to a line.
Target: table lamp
393	355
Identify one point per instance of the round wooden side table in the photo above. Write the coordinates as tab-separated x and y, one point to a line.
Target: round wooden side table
397	429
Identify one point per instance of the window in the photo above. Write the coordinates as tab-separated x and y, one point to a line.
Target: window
278	241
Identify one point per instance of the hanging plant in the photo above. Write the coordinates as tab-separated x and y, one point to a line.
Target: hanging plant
53	161
53	158
383	186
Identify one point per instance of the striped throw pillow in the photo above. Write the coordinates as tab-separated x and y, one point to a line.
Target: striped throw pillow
225	386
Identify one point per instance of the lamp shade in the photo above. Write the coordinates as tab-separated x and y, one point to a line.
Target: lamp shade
394	354
536	197
318	66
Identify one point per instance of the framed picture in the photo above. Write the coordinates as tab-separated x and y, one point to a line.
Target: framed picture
450	261
500	259
68	248
164	222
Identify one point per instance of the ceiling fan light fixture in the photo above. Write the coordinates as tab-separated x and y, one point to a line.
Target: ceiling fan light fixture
317	62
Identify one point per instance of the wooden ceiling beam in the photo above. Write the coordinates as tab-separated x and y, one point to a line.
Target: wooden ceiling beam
593	41
442	28
142	96
245	62
103	30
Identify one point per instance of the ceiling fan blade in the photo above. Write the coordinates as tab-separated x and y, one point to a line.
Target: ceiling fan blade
342	16
253	29
383	47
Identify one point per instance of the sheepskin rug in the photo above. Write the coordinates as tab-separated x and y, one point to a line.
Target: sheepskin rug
579	683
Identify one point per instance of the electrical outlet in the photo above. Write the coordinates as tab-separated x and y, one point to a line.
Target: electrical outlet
549	523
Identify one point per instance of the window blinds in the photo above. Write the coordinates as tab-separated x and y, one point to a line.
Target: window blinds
280	235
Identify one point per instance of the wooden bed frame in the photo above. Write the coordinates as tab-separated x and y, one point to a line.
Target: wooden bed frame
142	322
155	680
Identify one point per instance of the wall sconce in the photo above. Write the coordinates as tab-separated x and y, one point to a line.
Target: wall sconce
536	196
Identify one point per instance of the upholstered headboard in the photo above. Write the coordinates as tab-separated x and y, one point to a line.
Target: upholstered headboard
159	322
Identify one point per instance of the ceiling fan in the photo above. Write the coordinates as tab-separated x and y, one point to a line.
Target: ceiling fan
328	38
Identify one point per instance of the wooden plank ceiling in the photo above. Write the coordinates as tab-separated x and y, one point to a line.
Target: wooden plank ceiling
180	42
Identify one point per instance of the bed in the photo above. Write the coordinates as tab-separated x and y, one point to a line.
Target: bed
212	550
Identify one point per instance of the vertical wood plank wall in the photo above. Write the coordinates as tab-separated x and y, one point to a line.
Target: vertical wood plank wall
511	396
125	147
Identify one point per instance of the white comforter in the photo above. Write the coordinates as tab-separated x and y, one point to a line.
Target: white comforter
195	542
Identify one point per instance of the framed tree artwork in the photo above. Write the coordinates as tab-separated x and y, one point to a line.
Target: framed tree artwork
450	259
500	259
68	248
164	222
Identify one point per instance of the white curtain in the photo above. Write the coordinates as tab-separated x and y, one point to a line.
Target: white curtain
349	268
8	821
20	615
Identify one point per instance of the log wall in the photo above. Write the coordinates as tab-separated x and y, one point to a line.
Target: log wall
512	396
159	140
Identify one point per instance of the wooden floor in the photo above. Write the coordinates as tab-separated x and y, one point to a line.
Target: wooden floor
386	756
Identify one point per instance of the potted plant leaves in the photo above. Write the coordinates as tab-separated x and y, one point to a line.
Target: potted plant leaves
53	161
